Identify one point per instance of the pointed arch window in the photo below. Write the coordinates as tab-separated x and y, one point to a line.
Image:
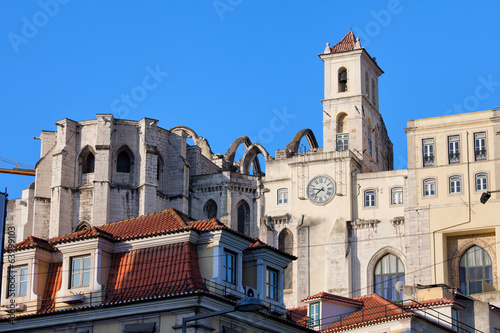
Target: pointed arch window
210	209
123	162
243	216
475	270
88	163
388	271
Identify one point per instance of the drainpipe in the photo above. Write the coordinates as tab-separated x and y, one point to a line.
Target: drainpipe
462	223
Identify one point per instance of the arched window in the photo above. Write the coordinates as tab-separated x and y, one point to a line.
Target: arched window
370	198
123	162
367	86
342	79
88	163
396	195
374	100
475	268
429	187
282	197
243	216
285	243
481	181
455	184
210	209
388	271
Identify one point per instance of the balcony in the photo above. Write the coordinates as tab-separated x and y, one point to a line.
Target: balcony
454	158
480	154
428	160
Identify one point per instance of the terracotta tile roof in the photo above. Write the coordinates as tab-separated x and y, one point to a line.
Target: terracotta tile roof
258	244
298	315
31	243
345	45
152	272
52	286
323	295
375	310
432	302
93	232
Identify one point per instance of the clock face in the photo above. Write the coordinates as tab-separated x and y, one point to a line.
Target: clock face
321	190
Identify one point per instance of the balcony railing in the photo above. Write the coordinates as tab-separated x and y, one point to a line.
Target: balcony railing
428	160
480	154
129	294
454	158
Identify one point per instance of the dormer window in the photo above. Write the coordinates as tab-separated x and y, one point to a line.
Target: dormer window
314	314
18	281
272	284
229	267
80	271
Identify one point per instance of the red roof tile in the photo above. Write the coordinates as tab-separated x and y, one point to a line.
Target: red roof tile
31	243
431	302
375	309
323	295
52	286
298	315
156	271
345	45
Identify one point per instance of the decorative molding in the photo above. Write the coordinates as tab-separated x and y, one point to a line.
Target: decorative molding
270	221
398	220
362	224
102	147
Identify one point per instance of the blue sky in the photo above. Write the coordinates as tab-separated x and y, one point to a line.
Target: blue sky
226	68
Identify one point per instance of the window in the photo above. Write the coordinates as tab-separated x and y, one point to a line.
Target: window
342	142
455	184
480	146
243	216
123	162
342	79
18	281
229	267
481	181
428	152
429	187
272	284
314	314
376	154
88	163
282	196
369	151
285	244
367	86
80	271
210	209
397	196
388	271
455	317
475	268
374	100
454	149
370	198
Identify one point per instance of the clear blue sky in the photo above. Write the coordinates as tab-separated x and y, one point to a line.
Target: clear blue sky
232	64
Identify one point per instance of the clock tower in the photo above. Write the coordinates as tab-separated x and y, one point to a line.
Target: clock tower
351	118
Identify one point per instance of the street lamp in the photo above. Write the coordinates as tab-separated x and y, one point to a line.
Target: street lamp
486	196
247	304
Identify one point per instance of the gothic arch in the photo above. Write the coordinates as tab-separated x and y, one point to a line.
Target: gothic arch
198	140
210	209
86	164
250	157
285	241
160	169
124	149
243	216
370	283
293	147
84	225
454	263
231	152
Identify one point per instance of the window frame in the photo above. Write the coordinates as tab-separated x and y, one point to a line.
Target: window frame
432	182
428	153
12	280
229	273
81	271
342	141
282	191
481	175
454	149
464	270
272	286
369	147
455	184
481	153
372	201
399	264
400	190
314	317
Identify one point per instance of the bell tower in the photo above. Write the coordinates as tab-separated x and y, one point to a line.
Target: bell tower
351	118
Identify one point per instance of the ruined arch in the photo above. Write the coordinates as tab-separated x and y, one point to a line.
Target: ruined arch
231	153
250	157
198	140
293	147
